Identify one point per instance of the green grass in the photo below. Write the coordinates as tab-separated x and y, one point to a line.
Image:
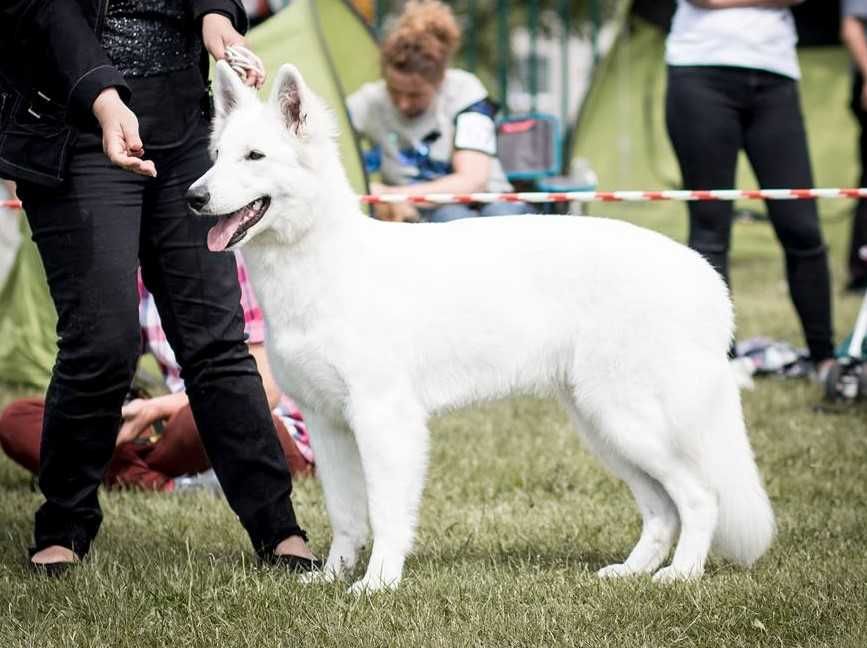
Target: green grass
516	518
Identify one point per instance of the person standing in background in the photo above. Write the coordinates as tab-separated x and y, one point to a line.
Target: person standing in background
852	33
733	84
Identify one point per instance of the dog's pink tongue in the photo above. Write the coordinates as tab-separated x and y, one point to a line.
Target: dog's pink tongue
221	233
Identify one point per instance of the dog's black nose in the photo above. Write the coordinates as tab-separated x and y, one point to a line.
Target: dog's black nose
197	198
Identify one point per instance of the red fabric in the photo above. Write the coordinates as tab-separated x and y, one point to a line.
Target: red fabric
134	464
21	432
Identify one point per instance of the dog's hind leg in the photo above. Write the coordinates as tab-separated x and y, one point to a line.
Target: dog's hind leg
698	507
393	444
659	519
659	522
638	430
338	467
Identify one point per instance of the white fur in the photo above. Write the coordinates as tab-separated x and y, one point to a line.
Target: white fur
374	326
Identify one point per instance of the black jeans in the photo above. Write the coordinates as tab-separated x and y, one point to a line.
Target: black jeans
858	240
714	112
92	234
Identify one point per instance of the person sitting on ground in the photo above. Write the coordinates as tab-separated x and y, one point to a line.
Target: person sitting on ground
432	126
158	443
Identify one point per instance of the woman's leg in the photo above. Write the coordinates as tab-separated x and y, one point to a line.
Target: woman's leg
776	144
87	235
198	297
702	113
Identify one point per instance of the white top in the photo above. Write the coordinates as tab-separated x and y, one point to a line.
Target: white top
750	37
419	149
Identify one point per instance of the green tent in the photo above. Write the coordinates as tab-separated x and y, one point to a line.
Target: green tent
27	317
335	51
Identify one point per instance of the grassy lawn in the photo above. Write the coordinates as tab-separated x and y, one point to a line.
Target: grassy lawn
516	519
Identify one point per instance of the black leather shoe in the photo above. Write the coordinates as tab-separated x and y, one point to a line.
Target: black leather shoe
292	563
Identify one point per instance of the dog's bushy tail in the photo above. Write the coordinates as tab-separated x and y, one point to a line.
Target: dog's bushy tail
746	527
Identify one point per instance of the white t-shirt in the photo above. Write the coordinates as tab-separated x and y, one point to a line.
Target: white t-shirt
419	149
749	37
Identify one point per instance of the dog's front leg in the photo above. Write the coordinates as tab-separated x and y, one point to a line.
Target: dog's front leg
393	446
338	467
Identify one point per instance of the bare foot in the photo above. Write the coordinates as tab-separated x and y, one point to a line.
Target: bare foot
294	546
54	554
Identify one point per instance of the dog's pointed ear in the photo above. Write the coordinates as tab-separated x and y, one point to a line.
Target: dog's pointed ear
229	90
290	96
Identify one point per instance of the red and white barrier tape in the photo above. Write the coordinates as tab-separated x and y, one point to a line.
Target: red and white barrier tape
619	196
597	196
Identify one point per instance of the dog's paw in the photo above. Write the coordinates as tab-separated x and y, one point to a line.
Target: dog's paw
673	574
319	577
371	585
619	570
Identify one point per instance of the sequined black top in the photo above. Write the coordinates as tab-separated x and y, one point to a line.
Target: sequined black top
145	38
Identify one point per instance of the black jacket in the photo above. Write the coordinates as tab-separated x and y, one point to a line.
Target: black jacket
52	67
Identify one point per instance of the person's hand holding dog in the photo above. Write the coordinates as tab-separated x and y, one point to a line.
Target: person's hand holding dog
218	35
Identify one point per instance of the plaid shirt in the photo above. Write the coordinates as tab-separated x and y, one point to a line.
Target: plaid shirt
155	342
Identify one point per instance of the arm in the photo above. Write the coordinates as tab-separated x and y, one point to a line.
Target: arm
732	4
139	414
218	33
93	87
71	49
120	137
853	37
272	391
231	9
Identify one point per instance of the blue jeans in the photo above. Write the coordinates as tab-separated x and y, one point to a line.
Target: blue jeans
448	213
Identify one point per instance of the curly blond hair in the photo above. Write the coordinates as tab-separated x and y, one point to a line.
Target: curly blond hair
422	41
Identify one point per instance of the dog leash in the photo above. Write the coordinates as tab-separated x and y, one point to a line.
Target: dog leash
597	196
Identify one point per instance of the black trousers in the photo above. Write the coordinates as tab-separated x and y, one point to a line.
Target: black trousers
92	234
858	240
711	114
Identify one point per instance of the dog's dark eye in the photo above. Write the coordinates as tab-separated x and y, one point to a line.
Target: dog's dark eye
255	155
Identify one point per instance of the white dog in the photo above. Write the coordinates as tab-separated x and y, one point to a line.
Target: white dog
374	326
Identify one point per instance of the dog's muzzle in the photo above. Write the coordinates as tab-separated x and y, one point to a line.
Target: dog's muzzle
197	198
